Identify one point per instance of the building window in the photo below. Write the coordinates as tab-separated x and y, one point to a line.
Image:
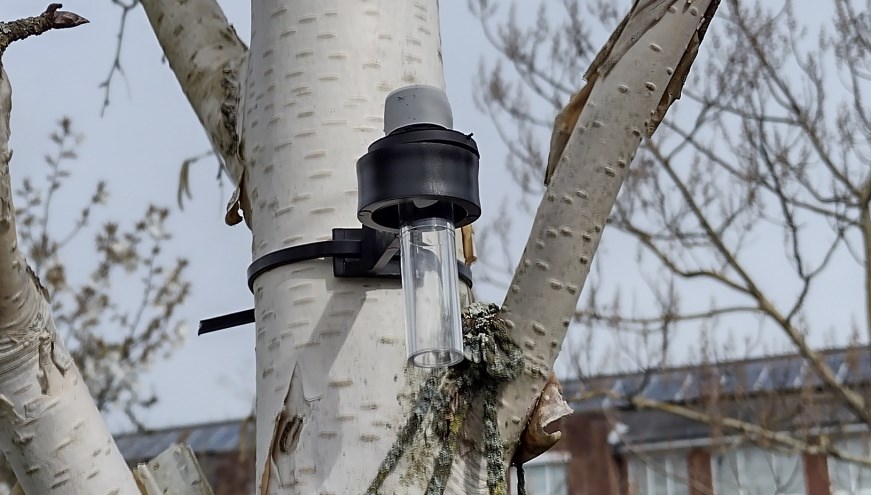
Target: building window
755	471
545	475
848	478
658	474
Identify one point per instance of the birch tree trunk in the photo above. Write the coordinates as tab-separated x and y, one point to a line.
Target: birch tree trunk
50	429
333	390
332	384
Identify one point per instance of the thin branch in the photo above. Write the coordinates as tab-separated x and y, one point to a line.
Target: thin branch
776	79
852	399
116	67
618	319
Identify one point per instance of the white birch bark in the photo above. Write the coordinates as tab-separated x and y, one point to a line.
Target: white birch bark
332	385
175	471
207	58
330	353
50	429
636	78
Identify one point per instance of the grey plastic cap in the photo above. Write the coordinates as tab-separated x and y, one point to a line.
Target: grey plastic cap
417	104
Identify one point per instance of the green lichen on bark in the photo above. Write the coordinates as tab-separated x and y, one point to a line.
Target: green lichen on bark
445	459
428	392
491	360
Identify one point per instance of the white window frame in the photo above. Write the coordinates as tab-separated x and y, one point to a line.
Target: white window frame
663	465
669	476
852	468
740	458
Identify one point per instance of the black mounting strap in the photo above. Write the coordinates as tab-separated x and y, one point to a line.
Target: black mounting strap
304	252
362	252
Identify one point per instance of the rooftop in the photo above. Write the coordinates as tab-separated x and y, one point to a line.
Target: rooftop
782	373
207	438
781	392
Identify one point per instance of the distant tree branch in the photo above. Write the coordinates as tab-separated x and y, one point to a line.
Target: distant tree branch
751	431
618	319
117	68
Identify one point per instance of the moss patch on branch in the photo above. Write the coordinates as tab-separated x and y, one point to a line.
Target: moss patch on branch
491	360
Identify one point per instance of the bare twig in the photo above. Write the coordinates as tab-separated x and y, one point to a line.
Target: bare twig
116	67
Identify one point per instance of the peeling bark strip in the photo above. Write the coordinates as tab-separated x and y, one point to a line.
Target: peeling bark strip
50	429
642	18
631	83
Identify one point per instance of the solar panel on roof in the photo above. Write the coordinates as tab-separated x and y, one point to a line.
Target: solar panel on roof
748	374
652	389
218	437
835	361
152	444
672	385
665	387
687	389
783	373
858	367
227	438
732	378
841	372
763	381
617	388
198	439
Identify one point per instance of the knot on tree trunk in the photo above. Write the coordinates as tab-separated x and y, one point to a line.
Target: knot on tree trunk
550	407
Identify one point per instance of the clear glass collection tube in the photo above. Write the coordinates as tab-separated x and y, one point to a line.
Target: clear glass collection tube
431	290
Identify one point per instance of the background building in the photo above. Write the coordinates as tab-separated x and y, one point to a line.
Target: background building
610	448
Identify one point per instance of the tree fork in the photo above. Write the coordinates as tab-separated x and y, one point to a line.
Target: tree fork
332	379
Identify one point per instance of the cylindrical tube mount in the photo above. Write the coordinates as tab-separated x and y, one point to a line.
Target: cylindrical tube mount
429	282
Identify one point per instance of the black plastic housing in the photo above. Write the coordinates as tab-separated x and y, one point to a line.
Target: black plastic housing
419	162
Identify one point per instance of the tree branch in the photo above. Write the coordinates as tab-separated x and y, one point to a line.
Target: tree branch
207	57
629	80
616	319
853	400
52	18
50	429
866	244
